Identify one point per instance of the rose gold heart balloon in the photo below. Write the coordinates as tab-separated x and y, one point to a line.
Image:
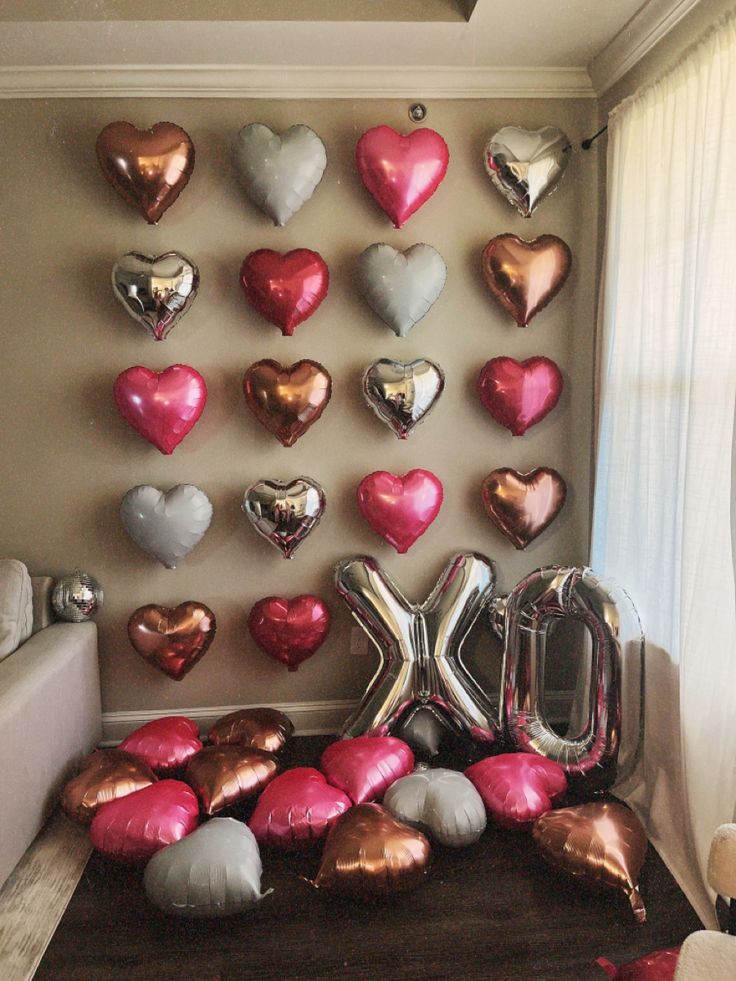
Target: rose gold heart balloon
525	276
369	853
106	775
522	505
287	401
602	843
260	728
224	775
172	640
148	168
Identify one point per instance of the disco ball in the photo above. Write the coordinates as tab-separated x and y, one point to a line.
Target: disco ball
77	596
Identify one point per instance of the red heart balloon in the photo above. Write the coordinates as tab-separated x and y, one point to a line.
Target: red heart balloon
401	172
297	809
164	744
132	829
289	630
517	788
519	394
365	767
400	509
285	289
162	406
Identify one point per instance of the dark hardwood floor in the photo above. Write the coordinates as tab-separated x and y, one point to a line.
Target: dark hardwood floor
492	911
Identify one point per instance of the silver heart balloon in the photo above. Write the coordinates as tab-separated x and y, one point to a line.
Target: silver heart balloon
526	166
166	525
284	512
401	286
423	727
214	871
279	171
401	393
443	802
155	290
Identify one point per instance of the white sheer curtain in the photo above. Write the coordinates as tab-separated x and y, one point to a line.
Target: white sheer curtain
664	483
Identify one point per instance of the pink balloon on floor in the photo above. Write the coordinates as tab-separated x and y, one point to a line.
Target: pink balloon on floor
365	767
517	788
400	509
162	406
297	809
164	744
660	965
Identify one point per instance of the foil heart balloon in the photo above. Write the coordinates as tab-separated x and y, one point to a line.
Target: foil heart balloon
525	166
369	853
365	767
522	505
289	630
660	965
602	844
286	288
297	809
167	525
519	394
148	168
517	788
402	393
172	639
525	276
284	513
401	172
401	287
162	406
261	728
166	744
400	509
106	775
228	774
441	802
133	828
155	290
279	171
287	400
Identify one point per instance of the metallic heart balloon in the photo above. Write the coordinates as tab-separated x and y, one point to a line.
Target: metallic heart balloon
423	727
400	509
172	639
155	290
522	505
287	400
525	276
401	172
166	525
166	745
441	802
289	630
162	406
518	788
519	394
284	512
148	168
297	810
132	829
262	728
660	965
365	767
401	393
601	844
525	166
401	287
106	775
279	171
286	288
222	776
369	853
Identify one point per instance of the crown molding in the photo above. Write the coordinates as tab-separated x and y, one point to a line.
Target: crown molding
278	82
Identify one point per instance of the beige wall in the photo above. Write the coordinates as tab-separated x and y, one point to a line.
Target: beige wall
68	457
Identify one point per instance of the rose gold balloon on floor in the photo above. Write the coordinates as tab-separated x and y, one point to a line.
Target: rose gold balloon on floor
525	276
106	775
287	400
170	639
522	505
228	774
261	728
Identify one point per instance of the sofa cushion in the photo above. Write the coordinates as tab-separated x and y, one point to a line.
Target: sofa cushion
16	606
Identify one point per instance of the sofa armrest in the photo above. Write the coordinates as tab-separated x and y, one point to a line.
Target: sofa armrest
43	587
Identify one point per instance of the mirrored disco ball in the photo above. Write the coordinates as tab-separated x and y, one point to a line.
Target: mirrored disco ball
77	596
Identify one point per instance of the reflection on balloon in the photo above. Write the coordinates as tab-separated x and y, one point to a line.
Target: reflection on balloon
401	287
228	774
441	802
401	393
297	810
284	513
155	290
517	788
286	288
525	166
106	775
287	400
522	505
172	639
519	394
162	406
292	630
400	509
166	525
525	276
262	728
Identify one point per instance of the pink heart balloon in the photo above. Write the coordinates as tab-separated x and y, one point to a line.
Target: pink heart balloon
401	172
365	767
297	809
519	394
162	406
132	829
517	788
164	744
400	509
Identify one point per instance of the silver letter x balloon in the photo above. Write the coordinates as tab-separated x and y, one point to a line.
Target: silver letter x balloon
419	645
